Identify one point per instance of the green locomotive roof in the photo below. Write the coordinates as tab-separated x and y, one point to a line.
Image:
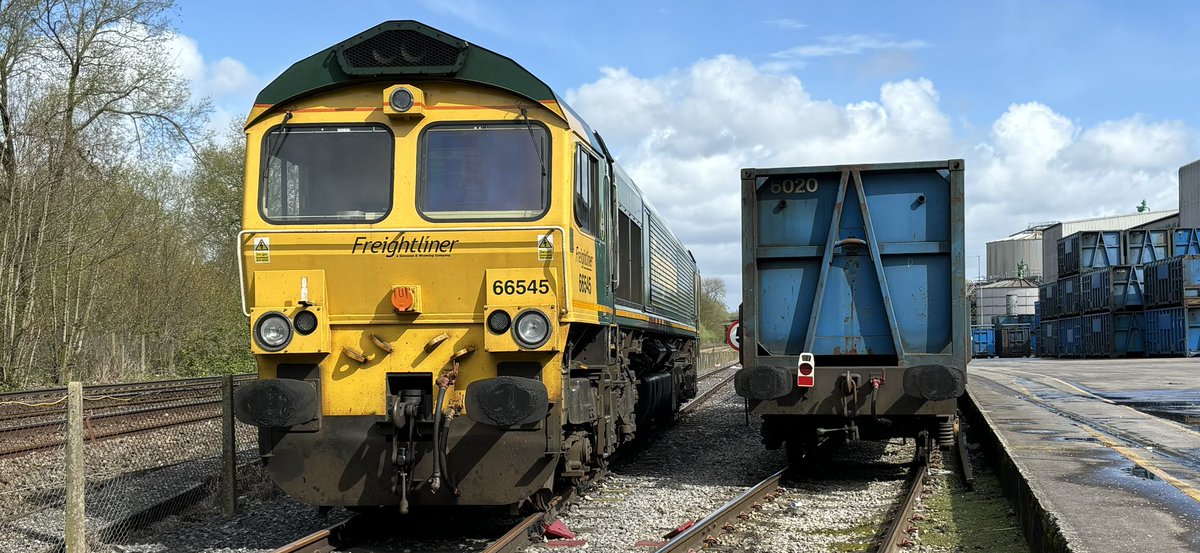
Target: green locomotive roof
402	50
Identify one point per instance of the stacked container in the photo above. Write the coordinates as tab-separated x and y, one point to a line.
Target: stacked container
1185	241
1089	249
1122	293
1173	299
1048	338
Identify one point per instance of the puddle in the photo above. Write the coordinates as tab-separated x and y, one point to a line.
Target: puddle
1073	439
1038	431
1140	472
1182	406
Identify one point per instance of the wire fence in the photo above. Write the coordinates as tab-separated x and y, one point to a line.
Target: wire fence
139	456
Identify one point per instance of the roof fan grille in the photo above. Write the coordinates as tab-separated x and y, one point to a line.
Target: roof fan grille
401	48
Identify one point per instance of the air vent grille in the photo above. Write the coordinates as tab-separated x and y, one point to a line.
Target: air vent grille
401	51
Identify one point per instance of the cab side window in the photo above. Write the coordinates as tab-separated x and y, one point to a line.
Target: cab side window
586	179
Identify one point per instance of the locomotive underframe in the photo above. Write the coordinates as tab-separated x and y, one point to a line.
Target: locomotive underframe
873	406
616	379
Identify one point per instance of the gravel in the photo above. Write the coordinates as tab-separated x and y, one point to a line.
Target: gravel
695	466
124	475
841	503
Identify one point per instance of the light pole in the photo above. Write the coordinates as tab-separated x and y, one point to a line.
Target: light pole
978	267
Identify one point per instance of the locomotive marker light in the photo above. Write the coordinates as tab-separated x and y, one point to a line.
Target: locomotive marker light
498	321
273	331
305	322
804	372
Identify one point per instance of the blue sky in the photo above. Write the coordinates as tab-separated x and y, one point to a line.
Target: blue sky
1062	109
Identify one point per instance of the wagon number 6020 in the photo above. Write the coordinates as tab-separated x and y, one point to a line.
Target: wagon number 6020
794	186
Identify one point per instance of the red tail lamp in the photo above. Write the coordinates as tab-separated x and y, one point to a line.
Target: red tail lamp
804	373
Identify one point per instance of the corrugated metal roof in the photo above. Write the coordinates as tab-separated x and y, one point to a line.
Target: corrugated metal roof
1011	283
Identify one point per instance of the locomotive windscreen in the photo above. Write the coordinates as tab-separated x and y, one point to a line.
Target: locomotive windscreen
324	174
483	172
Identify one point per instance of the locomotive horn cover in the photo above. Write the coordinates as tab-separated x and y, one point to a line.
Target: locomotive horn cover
934	382
763	382
507	401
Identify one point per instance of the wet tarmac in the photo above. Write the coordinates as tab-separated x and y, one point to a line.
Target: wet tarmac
1111	447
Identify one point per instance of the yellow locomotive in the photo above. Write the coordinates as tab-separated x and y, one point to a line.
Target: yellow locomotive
455	295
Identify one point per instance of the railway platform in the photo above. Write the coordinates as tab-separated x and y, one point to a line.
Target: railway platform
1101	455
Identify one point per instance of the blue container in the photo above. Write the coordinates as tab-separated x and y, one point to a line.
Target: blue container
1113	289
1089	249
1068	296
1048	299
983	341
1173	282
856	264
1173	331
1114	335
1048	339
1070	337
1185	241
1147	245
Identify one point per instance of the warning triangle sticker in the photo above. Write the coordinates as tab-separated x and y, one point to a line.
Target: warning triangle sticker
261	245
545	242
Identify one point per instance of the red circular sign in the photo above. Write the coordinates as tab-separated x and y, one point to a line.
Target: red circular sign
732	336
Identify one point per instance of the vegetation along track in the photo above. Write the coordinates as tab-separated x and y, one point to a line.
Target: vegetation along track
34	420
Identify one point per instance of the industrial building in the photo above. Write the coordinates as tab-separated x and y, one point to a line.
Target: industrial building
1018	263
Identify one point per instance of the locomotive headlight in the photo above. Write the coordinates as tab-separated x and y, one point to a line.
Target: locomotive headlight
273	331
401	100
531	328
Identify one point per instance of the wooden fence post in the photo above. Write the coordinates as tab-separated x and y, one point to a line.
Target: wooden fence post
228	448
76	479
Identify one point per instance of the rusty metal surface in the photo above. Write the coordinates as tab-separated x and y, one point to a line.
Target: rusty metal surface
897	537
324	540
711	527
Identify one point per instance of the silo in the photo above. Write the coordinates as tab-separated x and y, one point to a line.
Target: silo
1018	256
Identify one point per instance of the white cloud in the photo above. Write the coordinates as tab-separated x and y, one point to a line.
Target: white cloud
683	136
848	45
786	23
227	81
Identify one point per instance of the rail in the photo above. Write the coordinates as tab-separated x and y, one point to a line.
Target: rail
324	540
897	538
720	521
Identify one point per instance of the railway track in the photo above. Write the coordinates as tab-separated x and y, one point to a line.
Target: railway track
34	421
713	529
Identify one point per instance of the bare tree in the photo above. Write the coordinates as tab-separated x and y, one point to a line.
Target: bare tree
86	89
